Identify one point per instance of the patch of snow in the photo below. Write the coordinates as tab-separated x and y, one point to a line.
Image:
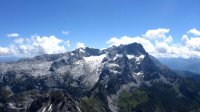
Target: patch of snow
44	109
81	50
79	110
138	77
130	56
117	56
89	68
72	54
11	105
139	59
50	108
94	59
115	71
113	65
92	65
138	73
79	62
59	104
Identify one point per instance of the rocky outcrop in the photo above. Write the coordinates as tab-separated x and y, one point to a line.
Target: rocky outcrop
57	101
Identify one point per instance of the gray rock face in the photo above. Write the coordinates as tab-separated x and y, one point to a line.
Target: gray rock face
83	66
76	80
57	101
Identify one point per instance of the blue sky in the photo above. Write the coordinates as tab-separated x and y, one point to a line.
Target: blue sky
93	22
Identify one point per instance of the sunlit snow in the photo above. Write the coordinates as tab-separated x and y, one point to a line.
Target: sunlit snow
130	56
117	56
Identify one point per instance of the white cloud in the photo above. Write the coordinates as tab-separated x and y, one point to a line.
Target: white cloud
65	32
4	51
194	31
162	47
192	42
158	43
156	34
168	39
35	45
80	45
13	35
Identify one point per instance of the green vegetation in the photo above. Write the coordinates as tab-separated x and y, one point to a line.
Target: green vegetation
128	101
161	98
5	93
92	104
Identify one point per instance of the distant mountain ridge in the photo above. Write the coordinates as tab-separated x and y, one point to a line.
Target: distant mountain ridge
8	58
121	78
182	64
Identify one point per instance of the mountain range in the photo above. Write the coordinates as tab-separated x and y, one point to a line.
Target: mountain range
121	78
182	64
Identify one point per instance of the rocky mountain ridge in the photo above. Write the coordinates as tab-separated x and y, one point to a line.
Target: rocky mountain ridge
123	78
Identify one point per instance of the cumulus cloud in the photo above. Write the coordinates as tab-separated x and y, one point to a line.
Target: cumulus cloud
156	34
40	45
80	45
192	42
35	45
194	31
159	43
162	47
13	35
4	51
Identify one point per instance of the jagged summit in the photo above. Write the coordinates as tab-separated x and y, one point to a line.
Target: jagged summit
133	48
